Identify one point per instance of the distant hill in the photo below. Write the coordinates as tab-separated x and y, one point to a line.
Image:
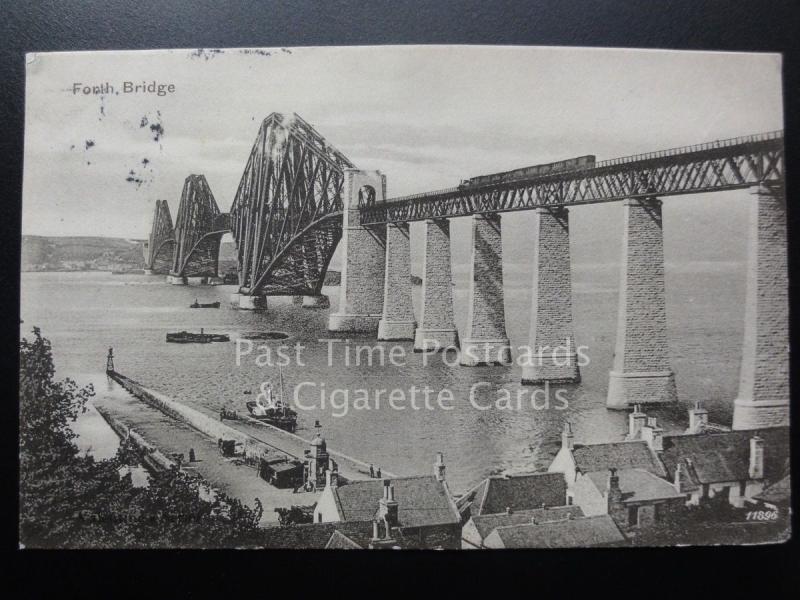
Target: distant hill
50	253
46	253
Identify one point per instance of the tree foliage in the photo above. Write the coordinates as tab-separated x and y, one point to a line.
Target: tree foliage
71	500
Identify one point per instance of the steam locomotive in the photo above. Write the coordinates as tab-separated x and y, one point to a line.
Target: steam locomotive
572	164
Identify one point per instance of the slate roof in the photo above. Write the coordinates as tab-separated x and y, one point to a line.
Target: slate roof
599	530
517	492
637	485
340	541
421	501
315	535
725	456
777	493
620	455
485	524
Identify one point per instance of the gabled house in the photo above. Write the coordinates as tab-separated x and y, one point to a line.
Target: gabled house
574	459
478	527
504	493
581	532
634	498
416	512
737	465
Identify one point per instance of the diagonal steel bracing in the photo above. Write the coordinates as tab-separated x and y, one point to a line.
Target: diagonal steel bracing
161	243
286	218
715	166
199	227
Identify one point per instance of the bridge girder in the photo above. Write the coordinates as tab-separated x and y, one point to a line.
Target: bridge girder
715	166
197	231
158	256
286	216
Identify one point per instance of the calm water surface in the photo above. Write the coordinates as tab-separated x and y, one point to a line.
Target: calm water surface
85	313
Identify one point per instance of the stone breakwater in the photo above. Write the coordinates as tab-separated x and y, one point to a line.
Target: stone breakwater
152	457
258	440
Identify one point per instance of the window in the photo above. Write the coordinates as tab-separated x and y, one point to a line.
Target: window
633	516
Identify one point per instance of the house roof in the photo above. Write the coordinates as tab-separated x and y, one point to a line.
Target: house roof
637	485
777	493
620	455
599	530
339	541
485	524
517	492
316	535
725	456
421	501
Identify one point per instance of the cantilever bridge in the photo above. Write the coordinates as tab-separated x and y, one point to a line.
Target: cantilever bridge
286	217
299	197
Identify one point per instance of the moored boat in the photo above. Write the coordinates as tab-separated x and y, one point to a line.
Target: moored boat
273	411
187	337
197	304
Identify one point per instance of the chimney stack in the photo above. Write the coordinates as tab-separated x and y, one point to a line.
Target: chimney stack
756	470
387	506
614	506
653	435
698	418
438	467
567	438
636	421
332	478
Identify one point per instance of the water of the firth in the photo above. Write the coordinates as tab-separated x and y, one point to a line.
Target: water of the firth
86	313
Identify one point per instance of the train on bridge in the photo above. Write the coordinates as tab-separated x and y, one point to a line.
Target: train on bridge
562	166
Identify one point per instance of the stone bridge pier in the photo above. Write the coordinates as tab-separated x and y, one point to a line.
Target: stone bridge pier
397	322
437	329
763	399
642	373
552	351
486	342
364	263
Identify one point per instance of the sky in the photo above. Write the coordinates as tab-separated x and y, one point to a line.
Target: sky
426	116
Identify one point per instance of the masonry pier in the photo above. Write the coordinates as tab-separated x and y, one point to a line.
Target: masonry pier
398	321
763	399
361	286
553	354
641	373
487	342
248	302
176	280
437	329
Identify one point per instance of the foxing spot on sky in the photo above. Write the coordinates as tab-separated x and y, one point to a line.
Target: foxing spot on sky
427	117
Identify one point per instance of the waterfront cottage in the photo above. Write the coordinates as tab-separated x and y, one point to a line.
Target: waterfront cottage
634	498
581	532
704	462
735	465
416	512
576	459
500	494
478	527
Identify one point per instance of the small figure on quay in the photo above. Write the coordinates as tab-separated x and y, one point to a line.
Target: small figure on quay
192	457
371	471
378	474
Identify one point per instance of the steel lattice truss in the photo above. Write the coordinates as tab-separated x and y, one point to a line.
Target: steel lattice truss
199	227
715	166
161	244
286	217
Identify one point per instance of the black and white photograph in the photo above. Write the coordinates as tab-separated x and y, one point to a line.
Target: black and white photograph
441	297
